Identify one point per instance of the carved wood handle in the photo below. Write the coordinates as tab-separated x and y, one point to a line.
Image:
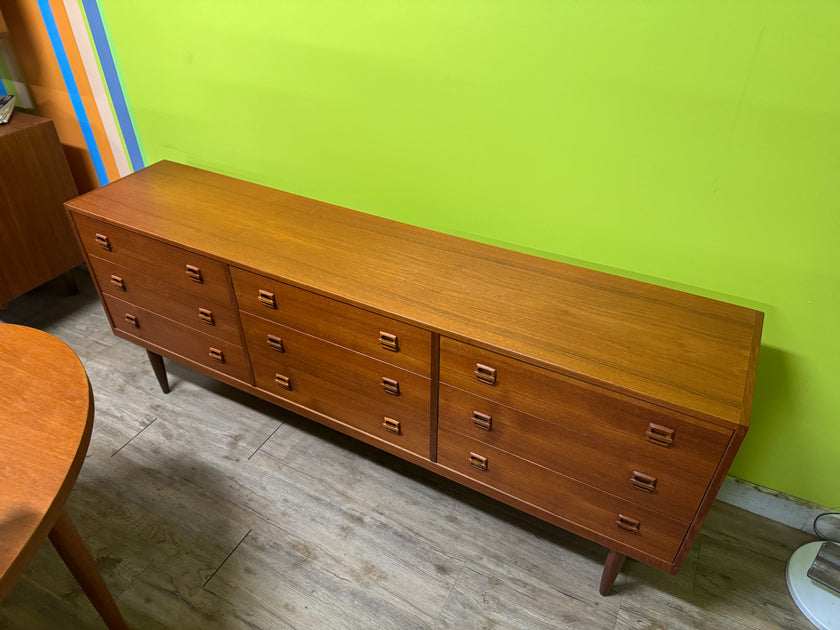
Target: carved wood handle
392	426
194	274
118	282
478	461
389	341
629	524
103	241
276	343
485	373
660	434
266	298
283	381
482	421
206	315
391	386
642	481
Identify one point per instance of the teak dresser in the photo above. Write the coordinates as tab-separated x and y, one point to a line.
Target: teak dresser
609	407
36	241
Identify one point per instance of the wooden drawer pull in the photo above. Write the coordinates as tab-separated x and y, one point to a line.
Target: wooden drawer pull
661	435
485	374
103	242
393	426
389	341
266	298
217	355
628	524
132	319
118	282
283	381
644	482
276	343
482	421
391	386
478	461
194	274
206	315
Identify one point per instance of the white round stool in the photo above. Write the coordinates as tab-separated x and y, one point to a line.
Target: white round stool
818	603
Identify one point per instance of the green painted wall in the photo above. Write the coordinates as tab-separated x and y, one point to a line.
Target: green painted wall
692	143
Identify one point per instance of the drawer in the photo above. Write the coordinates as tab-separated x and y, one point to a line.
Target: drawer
376	336
630	475
674	439
209	351
595	511
191	272
380	399
169	300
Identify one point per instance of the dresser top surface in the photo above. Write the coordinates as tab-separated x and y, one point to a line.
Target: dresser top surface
687	352
21	121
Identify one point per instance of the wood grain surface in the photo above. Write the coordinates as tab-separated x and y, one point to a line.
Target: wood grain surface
342	384
674	491
154	258
46	418
618	419
36	241
576	506
337	322
168	299
693	354
145	325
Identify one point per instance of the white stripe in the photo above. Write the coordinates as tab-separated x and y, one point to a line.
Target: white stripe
100	96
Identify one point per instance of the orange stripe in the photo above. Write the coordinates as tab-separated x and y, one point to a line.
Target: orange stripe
83	85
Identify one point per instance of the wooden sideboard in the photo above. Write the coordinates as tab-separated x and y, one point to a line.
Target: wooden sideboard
607	406
36	241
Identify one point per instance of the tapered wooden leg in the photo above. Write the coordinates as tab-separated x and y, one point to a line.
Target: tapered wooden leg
160	370
611	568
72	550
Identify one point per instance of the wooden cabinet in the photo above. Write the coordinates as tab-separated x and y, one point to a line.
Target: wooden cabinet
36	241
610	407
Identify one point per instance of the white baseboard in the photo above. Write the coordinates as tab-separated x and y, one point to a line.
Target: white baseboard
777	506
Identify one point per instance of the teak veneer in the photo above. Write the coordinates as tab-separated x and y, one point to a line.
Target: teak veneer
46	419
36	241
607	406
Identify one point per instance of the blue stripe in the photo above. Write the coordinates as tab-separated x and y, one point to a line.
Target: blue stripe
112	80
73	90
3	91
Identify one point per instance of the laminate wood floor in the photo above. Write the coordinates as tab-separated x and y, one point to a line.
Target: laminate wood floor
208	508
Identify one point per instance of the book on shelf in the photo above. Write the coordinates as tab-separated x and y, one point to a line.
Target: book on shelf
7	107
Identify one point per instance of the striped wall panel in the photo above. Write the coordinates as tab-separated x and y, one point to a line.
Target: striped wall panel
79	40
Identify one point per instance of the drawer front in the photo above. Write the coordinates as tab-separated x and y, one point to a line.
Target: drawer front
166	299
643	480
376	336
209	351
625	422
618	520
191	272
378	398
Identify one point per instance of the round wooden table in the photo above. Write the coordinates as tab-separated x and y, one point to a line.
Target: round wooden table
46	418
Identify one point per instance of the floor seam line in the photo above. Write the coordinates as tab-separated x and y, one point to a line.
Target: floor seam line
134	436
227	557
